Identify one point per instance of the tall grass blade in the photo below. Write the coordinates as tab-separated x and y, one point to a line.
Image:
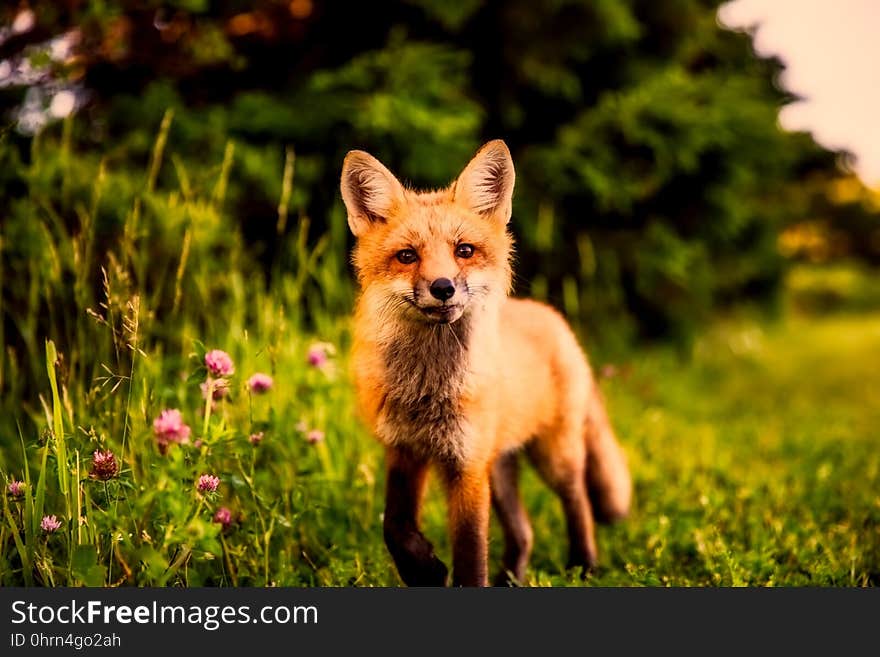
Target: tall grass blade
57	423
286	189
40	498
27	569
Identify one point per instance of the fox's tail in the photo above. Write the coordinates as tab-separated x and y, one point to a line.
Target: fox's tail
608	478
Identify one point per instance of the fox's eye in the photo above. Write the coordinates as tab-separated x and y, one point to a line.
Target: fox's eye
406	256
464	250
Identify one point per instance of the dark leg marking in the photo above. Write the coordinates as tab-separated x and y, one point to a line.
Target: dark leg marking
413	554
514	520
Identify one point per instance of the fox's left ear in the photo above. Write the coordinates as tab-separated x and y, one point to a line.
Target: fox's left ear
486	184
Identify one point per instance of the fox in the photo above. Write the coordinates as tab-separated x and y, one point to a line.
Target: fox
453	374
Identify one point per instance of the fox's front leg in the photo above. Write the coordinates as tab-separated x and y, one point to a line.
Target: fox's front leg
469	503
413	554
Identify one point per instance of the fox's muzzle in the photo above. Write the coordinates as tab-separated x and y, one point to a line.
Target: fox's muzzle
442	300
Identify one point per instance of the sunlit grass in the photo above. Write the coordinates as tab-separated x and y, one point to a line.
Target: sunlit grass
756	463
754	459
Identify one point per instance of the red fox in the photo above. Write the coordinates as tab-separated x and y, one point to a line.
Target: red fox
451	372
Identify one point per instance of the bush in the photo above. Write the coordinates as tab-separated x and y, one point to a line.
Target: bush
652	181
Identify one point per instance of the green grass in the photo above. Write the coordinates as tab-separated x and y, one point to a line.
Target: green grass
754	464
755	459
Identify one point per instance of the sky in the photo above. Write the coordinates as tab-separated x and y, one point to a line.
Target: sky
831	49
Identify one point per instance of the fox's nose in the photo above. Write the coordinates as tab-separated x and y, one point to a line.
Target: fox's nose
442	289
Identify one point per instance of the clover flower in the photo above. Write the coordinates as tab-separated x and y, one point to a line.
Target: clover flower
219	363
219	388
223	516
170	428
208	483
104	465
260	383
50	524
319	354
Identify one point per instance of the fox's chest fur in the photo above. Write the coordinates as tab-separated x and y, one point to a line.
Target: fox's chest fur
425	375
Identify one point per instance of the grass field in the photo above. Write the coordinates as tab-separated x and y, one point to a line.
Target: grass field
755	463
754	457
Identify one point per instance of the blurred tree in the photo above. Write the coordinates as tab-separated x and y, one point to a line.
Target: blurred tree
653	178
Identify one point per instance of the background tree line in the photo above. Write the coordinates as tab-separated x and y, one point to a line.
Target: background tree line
653	180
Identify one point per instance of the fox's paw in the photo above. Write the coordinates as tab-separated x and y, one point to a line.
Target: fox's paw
506	578
585	563
430	573
437	573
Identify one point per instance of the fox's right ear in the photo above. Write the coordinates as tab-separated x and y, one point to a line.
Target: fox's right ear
370	191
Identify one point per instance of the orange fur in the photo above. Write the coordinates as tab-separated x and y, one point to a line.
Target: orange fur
465	382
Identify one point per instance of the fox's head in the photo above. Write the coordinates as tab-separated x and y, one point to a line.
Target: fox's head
431	256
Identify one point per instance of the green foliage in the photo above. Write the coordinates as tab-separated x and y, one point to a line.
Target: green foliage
645	129
837	287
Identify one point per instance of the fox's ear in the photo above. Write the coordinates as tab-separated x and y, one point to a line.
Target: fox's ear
486	184
370	191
